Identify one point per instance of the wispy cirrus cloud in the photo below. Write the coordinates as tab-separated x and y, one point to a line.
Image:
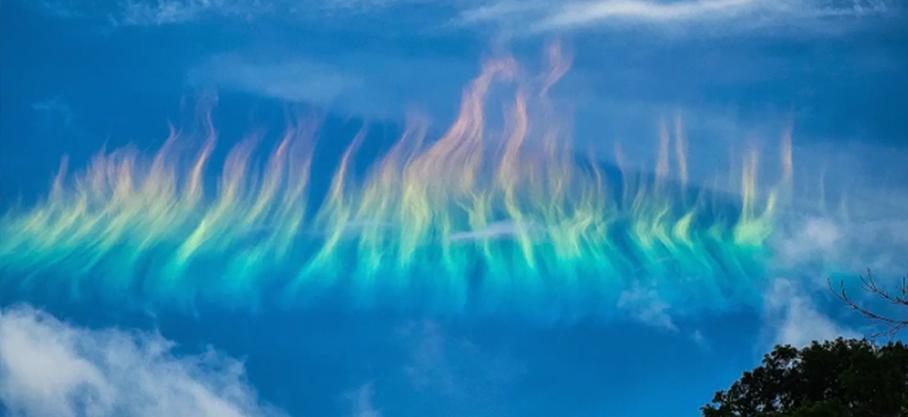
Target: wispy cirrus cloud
294	79
153	12
514	17
540	16
162	12
578	14
385	88
124	13
645	306
361	402
453	366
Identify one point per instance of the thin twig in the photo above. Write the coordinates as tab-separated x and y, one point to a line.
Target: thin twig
870	285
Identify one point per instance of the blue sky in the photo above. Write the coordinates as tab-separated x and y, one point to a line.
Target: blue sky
79	76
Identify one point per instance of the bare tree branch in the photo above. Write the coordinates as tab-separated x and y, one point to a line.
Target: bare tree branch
869	284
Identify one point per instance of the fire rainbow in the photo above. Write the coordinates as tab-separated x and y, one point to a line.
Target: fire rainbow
478	219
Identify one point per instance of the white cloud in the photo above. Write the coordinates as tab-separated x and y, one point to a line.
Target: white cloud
815	237
296	79
645	305
541	16
795	320
57	108
819	245
153	12
51	368
516	17
497	230
577	14
388	87
698	338
162	12
173	12
361	402
443	364
429	365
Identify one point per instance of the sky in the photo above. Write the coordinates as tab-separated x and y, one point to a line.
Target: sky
411	208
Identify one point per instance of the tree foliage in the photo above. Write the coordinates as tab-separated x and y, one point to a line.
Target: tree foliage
841	378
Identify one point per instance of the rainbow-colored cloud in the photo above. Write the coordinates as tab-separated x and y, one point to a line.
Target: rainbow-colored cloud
478	219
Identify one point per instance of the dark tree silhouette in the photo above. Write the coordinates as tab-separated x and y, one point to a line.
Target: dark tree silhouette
898	298
840	378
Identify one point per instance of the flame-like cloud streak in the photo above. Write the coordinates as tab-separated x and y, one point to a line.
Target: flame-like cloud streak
474	220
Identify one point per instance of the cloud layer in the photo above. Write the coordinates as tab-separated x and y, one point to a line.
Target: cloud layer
542	16
795	319
530	16
50	368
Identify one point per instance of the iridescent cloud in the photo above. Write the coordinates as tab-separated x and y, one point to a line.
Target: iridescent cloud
480	219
